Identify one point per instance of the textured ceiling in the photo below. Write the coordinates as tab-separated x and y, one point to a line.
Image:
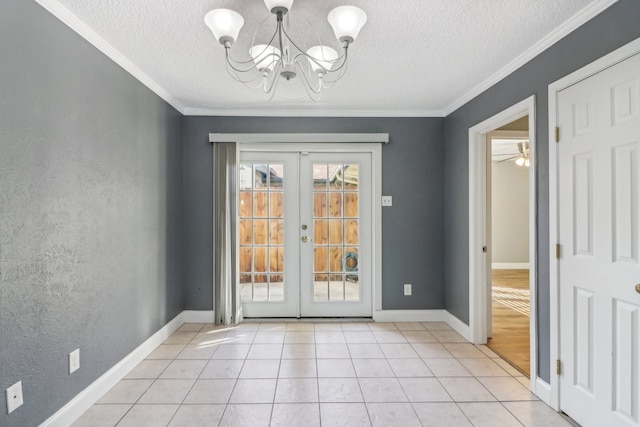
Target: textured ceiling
413	57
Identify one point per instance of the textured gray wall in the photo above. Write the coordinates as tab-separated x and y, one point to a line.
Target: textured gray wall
90	211
611	29
412	229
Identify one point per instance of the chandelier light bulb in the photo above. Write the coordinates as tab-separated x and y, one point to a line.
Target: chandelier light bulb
347	21
265	56
323	58
520	161
225	24
527	163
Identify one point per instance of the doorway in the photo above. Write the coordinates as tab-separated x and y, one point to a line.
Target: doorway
508	327
305	233
480	271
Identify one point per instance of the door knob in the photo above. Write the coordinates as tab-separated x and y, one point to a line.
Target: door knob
305	239
638	288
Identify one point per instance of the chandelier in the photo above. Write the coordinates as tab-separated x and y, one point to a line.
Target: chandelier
281	58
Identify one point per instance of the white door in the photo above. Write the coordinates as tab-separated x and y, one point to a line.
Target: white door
305	234
335	208
599	204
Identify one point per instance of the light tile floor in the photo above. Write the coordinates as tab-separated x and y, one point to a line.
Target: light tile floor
321	374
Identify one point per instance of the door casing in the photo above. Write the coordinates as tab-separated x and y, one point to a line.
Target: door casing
479	261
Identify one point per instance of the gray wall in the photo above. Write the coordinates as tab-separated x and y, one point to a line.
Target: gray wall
509	213
90	211
611	29
412	229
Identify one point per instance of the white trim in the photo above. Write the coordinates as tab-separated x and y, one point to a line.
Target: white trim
541	389
337	112
510	265
458	325
478	261
438	315
299	138
73	22
90	395
618	55
586	14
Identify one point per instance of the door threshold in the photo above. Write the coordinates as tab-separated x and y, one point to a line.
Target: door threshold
307	319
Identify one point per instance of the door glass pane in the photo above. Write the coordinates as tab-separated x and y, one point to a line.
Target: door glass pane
261	232
336	243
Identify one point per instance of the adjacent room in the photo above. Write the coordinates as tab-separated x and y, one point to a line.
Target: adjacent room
291	212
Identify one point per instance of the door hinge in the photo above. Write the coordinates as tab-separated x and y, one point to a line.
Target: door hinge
558	367
557	134
558	250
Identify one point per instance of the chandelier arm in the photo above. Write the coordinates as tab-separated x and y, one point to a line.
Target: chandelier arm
302	51
249	61
326	84
274	81
343	65
306	81
235	76
315	95
342	70
255	33
270	92
231	62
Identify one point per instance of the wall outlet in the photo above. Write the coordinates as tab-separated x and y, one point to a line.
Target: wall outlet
387	201
14	397
407	289
74	361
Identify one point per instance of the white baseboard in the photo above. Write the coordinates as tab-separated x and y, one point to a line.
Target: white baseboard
409	315
458	325
90	395
543	391
423	316
510	266
197	316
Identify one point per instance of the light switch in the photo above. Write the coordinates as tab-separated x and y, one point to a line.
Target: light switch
387	201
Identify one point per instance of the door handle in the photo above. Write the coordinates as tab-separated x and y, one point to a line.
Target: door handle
305	239
638	288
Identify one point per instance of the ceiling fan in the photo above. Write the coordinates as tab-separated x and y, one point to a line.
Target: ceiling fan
521	156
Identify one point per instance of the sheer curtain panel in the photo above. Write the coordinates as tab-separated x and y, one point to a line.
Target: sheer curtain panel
227	306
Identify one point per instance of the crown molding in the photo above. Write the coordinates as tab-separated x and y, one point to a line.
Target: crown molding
73	22
580	18
326	112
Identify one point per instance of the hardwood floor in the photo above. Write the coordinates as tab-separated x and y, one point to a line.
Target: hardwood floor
510	317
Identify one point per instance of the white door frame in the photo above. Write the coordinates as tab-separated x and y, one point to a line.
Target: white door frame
330	142
478	231
619	55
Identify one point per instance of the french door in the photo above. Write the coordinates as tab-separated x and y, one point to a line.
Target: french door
305	234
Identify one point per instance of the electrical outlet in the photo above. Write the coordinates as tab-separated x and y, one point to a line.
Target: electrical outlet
14	397
74	361
387	201
407	289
